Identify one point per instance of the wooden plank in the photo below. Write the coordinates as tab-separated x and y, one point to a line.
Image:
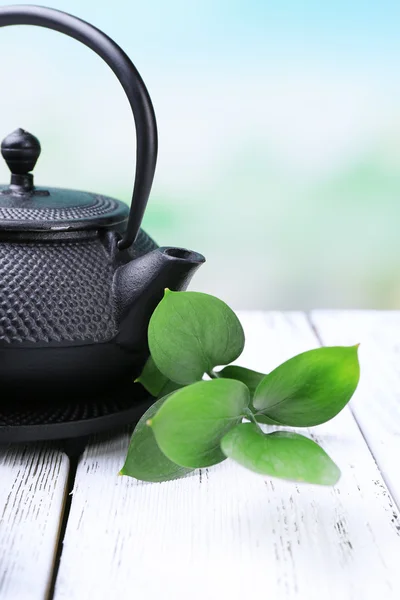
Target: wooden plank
32	495
224	532
376	404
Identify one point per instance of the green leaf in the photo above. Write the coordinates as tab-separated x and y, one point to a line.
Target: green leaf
145	460
157	384
151	378
190	424
280	454
190	333
310	388
169	387
247	376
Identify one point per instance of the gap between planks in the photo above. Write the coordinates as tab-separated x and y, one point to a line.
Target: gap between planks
73	465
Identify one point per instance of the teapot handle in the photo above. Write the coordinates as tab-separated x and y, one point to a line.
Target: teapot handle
132	83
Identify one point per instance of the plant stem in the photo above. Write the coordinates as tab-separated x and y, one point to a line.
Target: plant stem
250	416
212	374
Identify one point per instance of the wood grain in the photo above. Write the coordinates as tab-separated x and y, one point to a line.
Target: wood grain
224	532
376	404
32	494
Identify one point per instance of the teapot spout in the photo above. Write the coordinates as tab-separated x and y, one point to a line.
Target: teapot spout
139	286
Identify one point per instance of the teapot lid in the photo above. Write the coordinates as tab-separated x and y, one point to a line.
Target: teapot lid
25	207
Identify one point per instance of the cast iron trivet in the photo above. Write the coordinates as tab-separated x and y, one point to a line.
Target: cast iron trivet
71	417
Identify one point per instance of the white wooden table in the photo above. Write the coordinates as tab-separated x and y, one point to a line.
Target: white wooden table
221	533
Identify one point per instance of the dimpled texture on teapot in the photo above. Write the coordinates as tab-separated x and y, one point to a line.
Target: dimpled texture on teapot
68	409
100	206
59	292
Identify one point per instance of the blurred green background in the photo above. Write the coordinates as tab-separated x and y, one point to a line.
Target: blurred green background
279	130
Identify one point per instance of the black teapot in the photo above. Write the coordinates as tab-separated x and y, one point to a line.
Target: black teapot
79	279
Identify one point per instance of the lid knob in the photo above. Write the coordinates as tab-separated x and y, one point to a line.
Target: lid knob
21	151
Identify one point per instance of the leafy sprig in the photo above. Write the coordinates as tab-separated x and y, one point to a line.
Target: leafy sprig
195	423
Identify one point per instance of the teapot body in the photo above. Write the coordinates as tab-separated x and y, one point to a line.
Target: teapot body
74	310
58	315
60	291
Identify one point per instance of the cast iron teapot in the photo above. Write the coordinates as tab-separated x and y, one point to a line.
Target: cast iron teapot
79	279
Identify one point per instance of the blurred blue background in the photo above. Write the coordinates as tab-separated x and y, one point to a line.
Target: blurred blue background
279	154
